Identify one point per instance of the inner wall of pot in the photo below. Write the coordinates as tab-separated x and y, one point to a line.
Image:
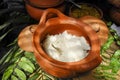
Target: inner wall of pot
56	29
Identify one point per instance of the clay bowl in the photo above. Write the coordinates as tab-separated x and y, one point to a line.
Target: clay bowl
87	9
57	25
35	8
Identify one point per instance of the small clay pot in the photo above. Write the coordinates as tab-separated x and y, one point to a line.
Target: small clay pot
73	26
86	9
35	8
115	15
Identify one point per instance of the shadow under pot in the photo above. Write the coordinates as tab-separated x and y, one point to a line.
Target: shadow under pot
35	8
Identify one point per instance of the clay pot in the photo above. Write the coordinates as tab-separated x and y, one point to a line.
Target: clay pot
25	38
58	25
87	9
35	8
99	26
115	15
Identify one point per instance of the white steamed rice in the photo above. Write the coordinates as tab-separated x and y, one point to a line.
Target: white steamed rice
66	47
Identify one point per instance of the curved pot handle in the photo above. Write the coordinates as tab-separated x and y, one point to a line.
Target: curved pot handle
51	10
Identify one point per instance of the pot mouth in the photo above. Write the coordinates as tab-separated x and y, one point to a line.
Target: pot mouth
39	38
39	5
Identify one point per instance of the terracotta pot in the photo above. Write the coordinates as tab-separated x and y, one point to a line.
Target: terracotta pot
87	9
99	26
35	8
25	38
57	25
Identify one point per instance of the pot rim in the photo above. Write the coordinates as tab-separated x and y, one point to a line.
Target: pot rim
51	60
43	6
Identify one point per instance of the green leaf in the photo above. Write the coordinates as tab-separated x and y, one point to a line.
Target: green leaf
118	42
4	25
34	77
107	44
26	65
115	61
2	37
4	58
30	55
14	77
49	77
8	72
109	23
117	54
26	60
20	74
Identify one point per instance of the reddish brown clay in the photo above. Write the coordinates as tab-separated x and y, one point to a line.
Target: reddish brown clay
25	38
96	23
35	8
58	25
45	3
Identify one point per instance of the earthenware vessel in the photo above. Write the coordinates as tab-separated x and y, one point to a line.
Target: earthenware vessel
99	26
73	26
35	8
